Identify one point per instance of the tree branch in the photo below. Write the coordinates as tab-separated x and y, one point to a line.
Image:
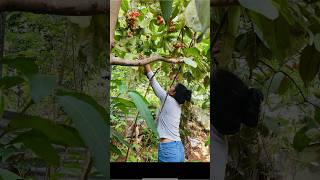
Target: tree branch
224	2
123	62
58	7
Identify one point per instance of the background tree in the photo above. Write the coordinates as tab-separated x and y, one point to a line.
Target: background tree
274	46
54	121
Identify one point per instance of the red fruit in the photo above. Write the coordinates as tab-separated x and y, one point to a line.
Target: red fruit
160	20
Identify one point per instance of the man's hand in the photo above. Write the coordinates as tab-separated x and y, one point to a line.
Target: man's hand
147	68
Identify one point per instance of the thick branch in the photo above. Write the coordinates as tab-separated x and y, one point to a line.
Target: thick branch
224	2
114	12
58	7
123	62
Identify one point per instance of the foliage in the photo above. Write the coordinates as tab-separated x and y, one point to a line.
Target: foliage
274	48
46	57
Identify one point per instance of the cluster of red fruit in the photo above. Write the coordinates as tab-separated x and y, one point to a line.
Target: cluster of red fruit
160	20
131	18
178	45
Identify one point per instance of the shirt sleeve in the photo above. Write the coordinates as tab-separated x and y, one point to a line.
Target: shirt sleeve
158	90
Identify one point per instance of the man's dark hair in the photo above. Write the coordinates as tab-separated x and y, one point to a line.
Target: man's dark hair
182	94
233	103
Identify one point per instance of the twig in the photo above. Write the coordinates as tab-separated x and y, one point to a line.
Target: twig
305	100
27	107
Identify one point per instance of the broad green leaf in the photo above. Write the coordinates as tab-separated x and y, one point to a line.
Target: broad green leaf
81	21
226	50
166	9
40	145
275	34
56	133
276	82
317	41
126	102
190	62
309	64
88	99
24	64
284	86
191	17
206	81
119	137
115	149
7	175
91	126
125	5
191	52
2	103
203	12
233	19
41	85
301	140
143	109
10	81
264	7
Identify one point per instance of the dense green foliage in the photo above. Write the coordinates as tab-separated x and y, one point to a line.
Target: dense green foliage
53	97
172	29
274	46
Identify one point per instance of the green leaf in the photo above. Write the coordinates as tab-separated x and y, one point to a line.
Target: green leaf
143	109
2	103
24	64
10	81
276	82
263	7
192	18
91	126
115	149
40	145
7	175
41	86
233	20
316	41
275	34
309	64
190	62
284	86
119	137
226	50
125	5
88	99
301	140
56	133
203	12
166	9
126	102
191	52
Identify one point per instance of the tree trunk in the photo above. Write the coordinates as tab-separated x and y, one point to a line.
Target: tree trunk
58	7
2	30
